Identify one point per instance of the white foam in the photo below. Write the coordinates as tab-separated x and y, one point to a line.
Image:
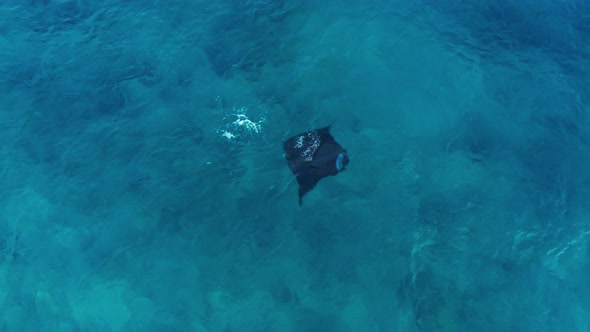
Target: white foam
242	127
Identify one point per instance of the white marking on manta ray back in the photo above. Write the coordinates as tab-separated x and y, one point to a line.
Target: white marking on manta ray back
299	142
314	144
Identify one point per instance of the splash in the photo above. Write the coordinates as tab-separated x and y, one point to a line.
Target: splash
242	126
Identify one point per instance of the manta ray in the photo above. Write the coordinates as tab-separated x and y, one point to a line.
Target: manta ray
312	156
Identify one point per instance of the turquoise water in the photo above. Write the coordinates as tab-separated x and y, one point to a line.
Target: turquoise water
143	185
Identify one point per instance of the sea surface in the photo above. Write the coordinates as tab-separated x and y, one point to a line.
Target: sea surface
143	185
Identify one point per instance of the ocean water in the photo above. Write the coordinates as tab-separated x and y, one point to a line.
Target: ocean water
143	185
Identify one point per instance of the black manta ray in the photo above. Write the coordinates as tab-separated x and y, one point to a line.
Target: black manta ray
312	156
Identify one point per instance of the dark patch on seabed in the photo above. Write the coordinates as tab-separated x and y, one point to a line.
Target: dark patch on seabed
476	136
247	35
50	15
556	29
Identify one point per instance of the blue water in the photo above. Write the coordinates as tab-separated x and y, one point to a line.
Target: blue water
143	185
